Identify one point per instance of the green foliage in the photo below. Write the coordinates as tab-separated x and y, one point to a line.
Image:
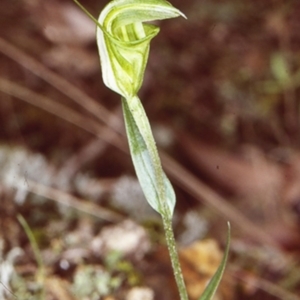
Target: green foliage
145	161
114	262
40	277
215	281
93	282
280	69
25	289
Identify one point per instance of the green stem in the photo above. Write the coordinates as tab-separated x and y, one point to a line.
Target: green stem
144	128
174	258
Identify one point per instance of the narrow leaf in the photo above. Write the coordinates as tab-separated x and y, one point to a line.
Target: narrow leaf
145	166
215	281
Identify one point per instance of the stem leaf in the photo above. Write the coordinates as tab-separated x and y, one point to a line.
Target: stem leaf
215	281
143	156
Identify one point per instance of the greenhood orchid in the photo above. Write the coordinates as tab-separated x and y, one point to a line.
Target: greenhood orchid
123	40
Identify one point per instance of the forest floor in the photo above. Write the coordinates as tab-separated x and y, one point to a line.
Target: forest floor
221	91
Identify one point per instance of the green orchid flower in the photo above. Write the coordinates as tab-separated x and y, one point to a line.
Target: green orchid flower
124	39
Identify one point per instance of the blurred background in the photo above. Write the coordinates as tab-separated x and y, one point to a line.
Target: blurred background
221	91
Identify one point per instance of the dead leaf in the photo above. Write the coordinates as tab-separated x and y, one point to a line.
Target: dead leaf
199	262
59	288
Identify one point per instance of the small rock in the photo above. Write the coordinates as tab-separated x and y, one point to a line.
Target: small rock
126	237
140	293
